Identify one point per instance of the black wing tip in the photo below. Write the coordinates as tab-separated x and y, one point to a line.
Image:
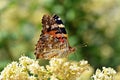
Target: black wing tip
57	19
55	16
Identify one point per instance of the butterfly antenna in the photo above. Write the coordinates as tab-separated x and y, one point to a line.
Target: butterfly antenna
82	45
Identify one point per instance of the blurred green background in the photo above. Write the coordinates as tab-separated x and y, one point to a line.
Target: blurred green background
93	27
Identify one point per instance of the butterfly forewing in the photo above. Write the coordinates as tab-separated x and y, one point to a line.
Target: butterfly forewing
53	41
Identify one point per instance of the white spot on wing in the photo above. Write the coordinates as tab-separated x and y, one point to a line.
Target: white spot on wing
59	19
61	25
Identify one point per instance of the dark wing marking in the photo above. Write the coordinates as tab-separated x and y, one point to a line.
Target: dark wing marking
57	19
61	28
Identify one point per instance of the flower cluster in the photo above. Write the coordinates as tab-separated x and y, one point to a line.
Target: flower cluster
26	69
105	74
58	69
65	70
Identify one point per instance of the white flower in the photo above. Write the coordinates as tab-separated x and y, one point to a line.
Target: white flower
1	77
34	67
14	72
32	78
67	70
26	61
53	77
83	62
29	69
105	74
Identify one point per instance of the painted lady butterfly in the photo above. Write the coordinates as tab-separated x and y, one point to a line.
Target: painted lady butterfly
53	41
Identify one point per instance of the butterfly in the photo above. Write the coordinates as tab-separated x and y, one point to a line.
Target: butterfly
53	41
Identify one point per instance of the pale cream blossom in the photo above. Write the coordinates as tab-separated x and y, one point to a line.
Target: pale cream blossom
26	61
66	70
30	69
14	71
32	78
105	74
53	77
